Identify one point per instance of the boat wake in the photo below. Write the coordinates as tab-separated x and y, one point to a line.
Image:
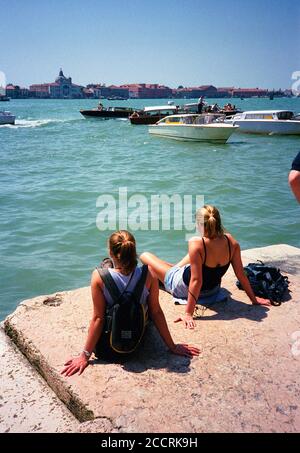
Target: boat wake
34	123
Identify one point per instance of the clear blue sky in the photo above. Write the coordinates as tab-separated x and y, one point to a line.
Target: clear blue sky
190	42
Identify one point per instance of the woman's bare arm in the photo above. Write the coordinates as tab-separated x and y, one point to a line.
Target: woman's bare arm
237	265
195	283
79	363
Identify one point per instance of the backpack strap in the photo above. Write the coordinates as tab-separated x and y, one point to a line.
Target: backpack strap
109	284
141	283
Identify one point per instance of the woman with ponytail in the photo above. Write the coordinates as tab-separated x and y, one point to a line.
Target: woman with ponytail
124	270
200	272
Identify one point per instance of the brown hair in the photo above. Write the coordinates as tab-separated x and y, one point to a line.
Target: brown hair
209	216
122	246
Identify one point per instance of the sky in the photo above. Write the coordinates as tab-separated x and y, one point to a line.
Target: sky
241	43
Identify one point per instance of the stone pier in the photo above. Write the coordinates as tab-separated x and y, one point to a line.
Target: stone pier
245	380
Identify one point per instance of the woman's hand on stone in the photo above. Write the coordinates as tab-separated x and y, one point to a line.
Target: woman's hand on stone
261	301
187	320
75	365
185	350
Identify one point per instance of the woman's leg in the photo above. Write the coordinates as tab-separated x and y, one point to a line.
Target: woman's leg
158	266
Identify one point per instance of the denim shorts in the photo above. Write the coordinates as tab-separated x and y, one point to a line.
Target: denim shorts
175	285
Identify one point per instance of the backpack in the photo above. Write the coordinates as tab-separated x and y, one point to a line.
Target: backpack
266	281
125	320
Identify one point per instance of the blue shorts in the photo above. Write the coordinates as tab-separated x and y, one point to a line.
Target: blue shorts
175	285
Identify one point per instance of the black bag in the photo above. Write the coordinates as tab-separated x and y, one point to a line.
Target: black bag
125	320
266	281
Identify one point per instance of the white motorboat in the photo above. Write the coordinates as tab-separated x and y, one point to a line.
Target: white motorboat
196	128
6	118
282	122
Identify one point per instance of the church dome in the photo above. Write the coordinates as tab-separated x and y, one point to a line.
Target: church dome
61	77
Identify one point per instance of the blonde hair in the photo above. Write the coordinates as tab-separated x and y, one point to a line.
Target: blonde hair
123	247
210	218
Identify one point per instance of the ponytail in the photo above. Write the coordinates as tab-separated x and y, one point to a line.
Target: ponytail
210	218
122	245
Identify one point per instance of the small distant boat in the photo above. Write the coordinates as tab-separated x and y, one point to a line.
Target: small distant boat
281	122
116	98
194	127
150	115
6	118
4	98
110	112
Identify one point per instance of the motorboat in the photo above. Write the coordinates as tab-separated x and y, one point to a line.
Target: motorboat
4	98
109	112
150	115
283	122
194	127
6	118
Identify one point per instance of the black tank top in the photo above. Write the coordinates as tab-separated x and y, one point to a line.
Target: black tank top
211	276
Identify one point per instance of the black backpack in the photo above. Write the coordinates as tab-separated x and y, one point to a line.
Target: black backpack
266	281
125	320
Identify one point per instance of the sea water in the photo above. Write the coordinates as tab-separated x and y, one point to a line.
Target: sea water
54	165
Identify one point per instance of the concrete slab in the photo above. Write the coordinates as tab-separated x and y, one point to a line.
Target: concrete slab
246	379
27	404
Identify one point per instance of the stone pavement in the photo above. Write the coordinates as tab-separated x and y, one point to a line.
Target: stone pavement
245	380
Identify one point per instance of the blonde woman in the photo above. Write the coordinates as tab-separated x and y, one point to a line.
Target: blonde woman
200	272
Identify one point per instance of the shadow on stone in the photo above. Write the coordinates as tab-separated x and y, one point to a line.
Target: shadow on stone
231	309
151	354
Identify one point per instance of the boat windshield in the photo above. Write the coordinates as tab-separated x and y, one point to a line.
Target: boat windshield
285	115
173	119
187	119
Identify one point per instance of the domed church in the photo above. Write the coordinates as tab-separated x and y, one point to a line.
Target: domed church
62	88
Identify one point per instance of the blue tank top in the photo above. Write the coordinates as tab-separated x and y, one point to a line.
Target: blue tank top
122	281
211	276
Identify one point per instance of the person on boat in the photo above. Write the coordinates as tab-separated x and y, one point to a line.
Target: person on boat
100	106
215	108
125	273
294	177
200	272
135	114
200	104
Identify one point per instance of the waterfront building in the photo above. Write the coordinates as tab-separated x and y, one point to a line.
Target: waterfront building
249	92
16	92
225	92
208	91
147	91
62	88
102	91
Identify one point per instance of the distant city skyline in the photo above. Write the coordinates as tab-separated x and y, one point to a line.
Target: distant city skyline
189	43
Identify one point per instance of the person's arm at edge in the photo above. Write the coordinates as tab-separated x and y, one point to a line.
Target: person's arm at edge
294	181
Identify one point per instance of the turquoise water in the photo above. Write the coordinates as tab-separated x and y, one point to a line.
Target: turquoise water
54	164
